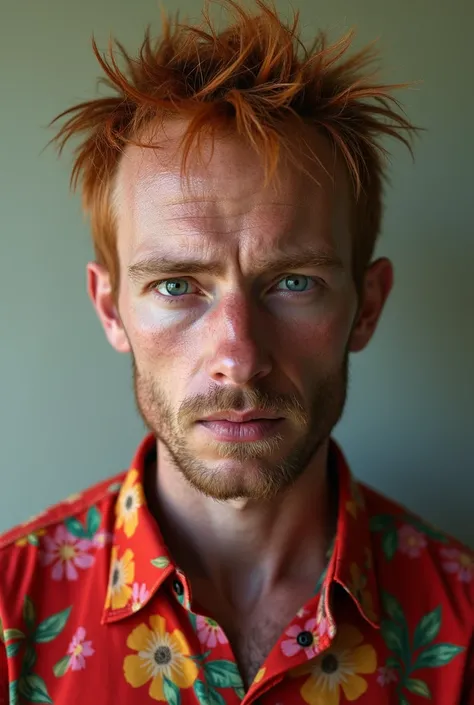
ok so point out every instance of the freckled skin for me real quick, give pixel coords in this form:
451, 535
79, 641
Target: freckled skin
269, 325
238, 327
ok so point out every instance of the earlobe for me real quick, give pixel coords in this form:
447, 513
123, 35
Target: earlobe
378, 282
101, 295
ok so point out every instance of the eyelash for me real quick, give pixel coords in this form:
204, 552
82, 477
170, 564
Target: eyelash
153, 287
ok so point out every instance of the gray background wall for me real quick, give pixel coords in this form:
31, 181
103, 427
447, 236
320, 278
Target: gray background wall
67, 416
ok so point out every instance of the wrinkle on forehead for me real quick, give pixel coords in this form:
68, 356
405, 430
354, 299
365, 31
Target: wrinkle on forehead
227, 195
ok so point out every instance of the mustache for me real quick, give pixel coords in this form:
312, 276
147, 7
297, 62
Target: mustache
229, 399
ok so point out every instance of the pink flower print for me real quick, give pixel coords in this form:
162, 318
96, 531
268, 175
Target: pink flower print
67, 553
458, 562
306, 639
302, 613
410, 541
139, 595
79, 650
323, 627
209, 632
386, 675
101, 538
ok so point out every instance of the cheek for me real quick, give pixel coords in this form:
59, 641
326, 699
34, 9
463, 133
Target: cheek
316, 341
157, 337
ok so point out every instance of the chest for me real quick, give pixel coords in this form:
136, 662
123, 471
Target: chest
253, 633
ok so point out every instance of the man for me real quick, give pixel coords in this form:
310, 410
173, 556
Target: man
234, 186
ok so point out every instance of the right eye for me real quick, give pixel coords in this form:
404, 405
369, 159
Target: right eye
174, 287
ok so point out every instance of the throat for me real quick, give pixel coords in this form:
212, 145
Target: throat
252, 634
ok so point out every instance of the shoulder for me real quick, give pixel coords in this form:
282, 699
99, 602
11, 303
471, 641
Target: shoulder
409, 549
81, 512
386, 515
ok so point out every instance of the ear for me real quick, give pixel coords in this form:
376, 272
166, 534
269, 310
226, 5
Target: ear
100, 292
378, 282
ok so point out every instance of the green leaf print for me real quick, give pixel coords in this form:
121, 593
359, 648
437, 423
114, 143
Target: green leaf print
437, 655
392, 608
199, 657
33, 688
393, 636
52, 626
397, 638
381, 522
11, 634
29, 614
192, 619
223, 674
75, 528
202, 692
414, 685
13, 649
29, 659
93, 522
215, 698
171, 692
393, 662
390, 543
13, 694
427, 629
60, 668
240, 692
160, 562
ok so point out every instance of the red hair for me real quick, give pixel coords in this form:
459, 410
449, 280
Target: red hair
259, 77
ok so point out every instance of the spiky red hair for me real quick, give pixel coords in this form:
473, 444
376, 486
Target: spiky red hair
256, 75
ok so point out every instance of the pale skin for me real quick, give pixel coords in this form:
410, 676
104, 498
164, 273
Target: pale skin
252, 562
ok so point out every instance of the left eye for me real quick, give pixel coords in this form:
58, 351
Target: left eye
296, 282
174, 287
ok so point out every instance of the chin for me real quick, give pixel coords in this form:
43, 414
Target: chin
233, 479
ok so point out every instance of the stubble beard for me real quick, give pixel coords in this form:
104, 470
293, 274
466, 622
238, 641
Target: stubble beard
261, 474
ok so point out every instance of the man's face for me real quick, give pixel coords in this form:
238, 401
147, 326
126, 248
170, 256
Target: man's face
237, 301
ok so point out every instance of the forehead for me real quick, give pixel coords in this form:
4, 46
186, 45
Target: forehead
222, 198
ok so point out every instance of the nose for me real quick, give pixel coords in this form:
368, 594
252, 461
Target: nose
237, 352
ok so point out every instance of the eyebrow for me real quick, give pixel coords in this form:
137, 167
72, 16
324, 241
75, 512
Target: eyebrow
157, 265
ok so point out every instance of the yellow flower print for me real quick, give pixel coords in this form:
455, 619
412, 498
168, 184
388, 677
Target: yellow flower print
122, 575
73, 497
31, 538
357, 587
259, 675
356, 501
160, 655
337, 669
129, 501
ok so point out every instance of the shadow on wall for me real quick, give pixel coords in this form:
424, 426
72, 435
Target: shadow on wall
425, 418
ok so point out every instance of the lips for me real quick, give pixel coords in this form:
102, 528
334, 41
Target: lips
233, 426
242, 416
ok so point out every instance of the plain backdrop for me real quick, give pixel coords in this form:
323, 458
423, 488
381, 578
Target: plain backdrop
67, 412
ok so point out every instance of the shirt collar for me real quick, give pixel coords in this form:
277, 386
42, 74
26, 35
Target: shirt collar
352, 564
140, 560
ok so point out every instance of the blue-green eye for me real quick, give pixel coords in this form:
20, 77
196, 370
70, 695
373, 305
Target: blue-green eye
296, 282
173, 287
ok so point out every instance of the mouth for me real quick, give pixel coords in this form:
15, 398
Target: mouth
233, 426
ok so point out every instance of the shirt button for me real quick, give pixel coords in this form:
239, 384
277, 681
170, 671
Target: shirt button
305, 639
178, 588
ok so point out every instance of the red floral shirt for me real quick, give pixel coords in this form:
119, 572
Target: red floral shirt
94, 611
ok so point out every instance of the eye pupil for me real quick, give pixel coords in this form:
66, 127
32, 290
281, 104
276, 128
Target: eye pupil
297, 283
176, 286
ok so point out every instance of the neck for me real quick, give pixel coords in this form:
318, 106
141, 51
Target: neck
246, 548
